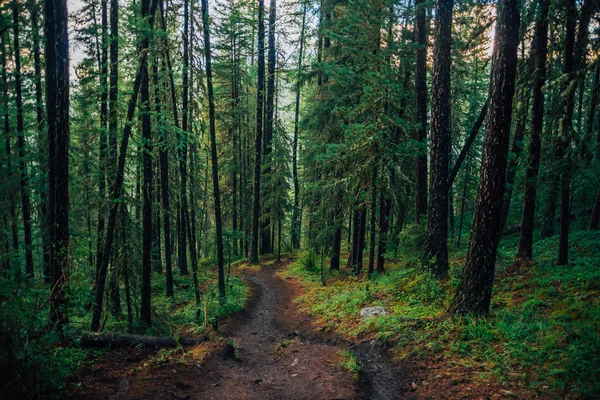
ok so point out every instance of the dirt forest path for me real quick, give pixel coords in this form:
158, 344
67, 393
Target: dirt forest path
278, 355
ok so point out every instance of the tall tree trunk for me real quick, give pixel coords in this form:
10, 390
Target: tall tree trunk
7, 142
169, 68
235, 139
42, 143
451, 224
117, 186
436, 247
296, 228
24, 178
463, 201
145, 304
334, 263
595, 218
57, 103
515, 151
521, 114
360, 243
113, 91
372, 223
421, 102
156, 236
539, 52
266, 243
574, 65
468, 143
475, 288
565, 133
163, 158
213, 149
183, 198
191, 226
102, 153
260, 85
384, 215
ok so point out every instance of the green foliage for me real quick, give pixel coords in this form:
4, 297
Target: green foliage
37, 360
411, 242
308, 260
34, 357
542, 334
350, 363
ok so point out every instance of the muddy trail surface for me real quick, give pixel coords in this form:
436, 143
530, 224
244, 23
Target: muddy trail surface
271, 351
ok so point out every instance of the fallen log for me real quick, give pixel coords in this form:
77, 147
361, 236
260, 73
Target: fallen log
106, 339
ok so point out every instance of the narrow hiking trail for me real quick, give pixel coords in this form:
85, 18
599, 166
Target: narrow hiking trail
278, 355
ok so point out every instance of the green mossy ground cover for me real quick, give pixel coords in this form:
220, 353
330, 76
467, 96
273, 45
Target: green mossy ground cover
36, 359
542, 336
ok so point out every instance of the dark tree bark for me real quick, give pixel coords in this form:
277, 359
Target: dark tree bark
421, 103
565, 130
463, 201
296, 228
539, 52
6, 162
574, 61
360, 246
589, 126
42, 143
156, 235
372, 224
451, 224
384, 215
23, 175
334, 263
515, 151
190, 226
258, 136
234, 133
595, 220
574, 65
113, 91
213, 149
464, 152
266, 243
436, 247
117, 186
7, 142
169, 68
145, 304
57, 103
358, 236
102, 153
475, 288
183, 198
163, 158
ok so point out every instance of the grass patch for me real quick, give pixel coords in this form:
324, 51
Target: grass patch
543, 334
350, 363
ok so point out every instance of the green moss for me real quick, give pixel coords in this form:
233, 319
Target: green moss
350, 363
543, 332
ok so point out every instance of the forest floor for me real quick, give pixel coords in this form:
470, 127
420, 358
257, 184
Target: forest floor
270, 351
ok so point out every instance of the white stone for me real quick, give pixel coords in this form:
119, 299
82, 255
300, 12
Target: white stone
369, 312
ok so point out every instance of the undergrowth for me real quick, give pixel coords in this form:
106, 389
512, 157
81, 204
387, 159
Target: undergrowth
36, 360
350, 363
542, 336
